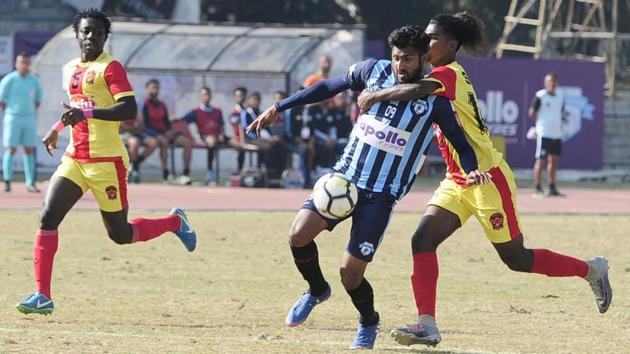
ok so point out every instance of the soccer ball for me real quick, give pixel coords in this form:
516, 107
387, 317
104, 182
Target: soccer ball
334, 196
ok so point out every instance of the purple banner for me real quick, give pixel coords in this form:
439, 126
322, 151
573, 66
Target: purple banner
505, 89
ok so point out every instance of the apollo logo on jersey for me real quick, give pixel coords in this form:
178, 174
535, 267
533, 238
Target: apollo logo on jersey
81, 101
382, 136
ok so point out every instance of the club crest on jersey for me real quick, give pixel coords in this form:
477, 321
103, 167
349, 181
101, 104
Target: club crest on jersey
112, 192
89, 77
420, 107
81, 101
496, 220
366, 248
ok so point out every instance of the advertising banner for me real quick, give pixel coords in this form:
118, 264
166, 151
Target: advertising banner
506, 88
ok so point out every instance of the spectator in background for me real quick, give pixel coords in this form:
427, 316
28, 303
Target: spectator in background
325, 63
133, 137
239, 95
326, 120
271, 148
157, 125
299, 140
20, 96
547, 111
209, 121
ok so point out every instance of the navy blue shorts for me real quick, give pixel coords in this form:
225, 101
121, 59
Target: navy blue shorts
370, 218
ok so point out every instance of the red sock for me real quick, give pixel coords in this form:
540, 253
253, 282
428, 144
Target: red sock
554, 264
424, 282
43, 256
147, 229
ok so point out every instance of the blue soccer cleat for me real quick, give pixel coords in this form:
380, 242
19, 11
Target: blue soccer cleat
185, 233
302, 308
36, 303
366, 336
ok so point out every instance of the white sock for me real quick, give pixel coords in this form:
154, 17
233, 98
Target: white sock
427, 320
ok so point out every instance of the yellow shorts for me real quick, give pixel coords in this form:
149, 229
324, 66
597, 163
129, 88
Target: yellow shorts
493, 204
107, 180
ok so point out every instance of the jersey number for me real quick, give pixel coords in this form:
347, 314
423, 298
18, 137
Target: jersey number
473, 102
390, 111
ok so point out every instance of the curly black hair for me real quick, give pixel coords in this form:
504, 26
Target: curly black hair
465, 28
92, 13
409, 36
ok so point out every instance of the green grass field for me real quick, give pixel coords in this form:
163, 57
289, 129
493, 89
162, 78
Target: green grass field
232, 294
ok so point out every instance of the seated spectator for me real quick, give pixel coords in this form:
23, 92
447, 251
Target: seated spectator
134, 138
239, 95
271, 148
209, 121
157, 125
342, 103
325, 120
299, 140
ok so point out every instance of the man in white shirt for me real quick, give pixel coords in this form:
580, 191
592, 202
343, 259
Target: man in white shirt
547, 111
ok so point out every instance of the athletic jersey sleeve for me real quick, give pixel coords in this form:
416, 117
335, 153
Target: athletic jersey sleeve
5, 84
117, 81
446, 77
38, 92
536, 104
444, 115
353, 79
191, 116
166, 119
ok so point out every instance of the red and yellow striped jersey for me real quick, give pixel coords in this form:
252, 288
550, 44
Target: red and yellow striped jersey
457, 87
96, 84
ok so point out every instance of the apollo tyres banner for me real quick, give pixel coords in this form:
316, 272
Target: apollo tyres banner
505, 90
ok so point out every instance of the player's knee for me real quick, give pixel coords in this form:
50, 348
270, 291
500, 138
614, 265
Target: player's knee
299, 236
119, 237
350, 278
48, 219
422, 241
521, 261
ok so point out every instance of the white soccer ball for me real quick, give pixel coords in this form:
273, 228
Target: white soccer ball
334, 196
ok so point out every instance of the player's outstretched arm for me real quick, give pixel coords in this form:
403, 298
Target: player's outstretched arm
402, 92
318, 92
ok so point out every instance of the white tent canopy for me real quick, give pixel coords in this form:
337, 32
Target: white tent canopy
185, 57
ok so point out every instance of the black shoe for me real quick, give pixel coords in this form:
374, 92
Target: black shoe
554, 193
7, 186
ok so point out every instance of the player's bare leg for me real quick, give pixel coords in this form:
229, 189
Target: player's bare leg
542, 261
305, 227
436, 225
538, 166
29, 162
351, 271
552, 168
141, 229
186, 145
60, 197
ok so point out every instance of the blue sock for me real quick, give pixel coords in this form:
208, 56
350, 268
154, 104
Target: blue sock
210, 175
7, 165
29, 168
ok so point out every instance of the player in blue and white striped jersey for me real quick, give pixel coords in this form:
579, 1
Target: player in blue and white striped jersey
385, 151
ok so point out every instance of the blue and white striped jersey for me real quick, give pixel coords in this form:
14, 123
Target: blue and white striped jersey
388, 143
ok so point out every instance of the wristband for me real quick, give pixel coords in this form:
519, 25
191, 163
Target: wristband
88, 113
58, 126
